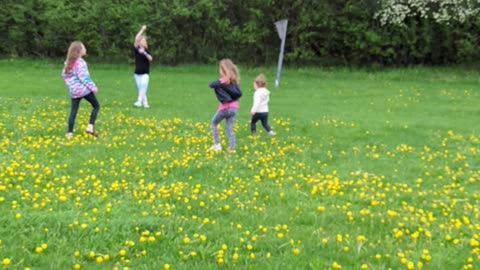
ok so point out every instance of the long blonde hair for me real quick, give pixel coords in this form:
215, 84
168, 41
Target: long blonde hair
74, 52
230, 70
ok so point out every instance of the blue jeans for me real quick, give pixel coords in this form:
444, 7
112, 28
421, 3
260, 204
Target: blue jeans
229, 115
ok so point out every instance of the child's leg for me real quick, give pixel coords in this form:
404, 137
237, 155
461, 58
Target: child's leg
217, 118
253, 123
95, 107
264, 119
142, 86
145, 81
138, 83
73, 113
231, 116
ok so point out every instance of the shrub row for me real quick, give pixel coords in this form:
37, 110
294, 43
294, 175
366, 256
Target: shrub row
320, 32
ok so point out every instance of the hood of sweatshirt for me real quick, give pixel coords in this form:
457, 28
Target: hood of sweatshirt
263, 92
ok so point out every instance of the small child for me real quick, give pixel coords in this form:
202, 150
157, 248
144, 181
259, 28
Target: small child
260, 105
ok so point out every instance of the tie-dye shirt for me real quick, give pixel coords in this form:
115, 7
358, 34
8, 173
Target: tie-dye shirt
78, 80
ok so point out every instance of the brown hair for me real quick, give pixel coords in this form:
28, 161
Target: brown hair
261, 81
230, 70
74, 52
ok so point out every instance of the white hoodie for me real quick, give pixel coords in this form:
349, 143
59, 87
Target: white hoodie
260, 100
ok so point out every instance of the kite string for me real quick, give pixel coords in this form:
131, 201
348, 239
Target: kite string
169, 16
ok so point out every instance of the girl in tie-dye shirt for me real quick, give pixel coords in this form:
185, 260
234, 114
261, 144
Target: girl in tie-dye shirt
78, 81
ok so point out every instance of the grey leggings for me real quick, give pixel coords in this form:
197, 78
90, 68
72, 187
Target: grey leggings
229, 115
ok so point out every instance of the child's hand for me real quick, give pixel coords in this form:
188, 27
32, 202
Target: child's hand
223, 79
252, 113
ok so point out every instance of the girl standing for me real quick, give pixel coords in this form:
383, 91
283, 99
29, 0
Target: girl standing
78, 81
142, 67
228, 92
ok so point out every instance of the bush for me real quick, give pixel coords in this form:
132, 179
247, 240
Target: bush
320, 32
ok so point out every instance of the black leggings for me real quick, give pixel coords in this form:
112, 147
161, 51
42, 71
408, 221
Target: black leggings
76, 104
262, 117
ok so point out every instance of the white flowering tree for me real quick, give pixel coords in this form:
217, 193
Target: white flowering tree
441, 11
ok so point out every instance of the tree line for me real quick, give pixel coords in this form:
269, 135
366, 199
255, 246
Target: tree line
320, 32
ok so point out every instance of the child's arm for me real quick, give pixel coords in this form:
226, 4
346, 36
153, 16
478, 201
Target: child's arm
256, 103
149, 57
215, 84
84, 76
144, 52
138, 37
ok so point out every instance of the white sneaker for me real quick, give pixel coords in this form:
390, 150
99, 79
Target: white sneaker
216, 147
145, 105
271, 133
69, 135
138, 104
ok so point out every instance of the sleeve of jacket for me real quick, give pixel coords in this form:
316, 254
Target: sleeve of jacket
256, 101
84, 77
222, 95
215, 84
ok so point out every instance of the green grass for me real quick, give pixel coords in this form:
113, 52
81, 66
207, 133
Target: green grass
369, 170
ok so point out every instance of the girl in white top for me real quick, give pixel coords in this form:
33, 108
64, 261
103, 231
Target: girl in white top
259, 109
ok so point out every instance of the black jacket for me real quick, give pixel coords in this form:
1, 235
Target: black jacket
226, 92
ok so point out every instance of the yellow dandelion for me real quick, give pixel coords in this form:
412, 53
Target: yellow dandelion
474, 242
339, 238
361, 238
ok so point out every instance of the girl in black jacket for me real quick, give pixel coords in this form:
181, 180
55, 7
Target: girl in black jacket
228, 92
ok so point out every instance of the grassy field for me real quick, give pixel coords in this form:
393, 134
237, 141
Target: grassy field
369, 170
